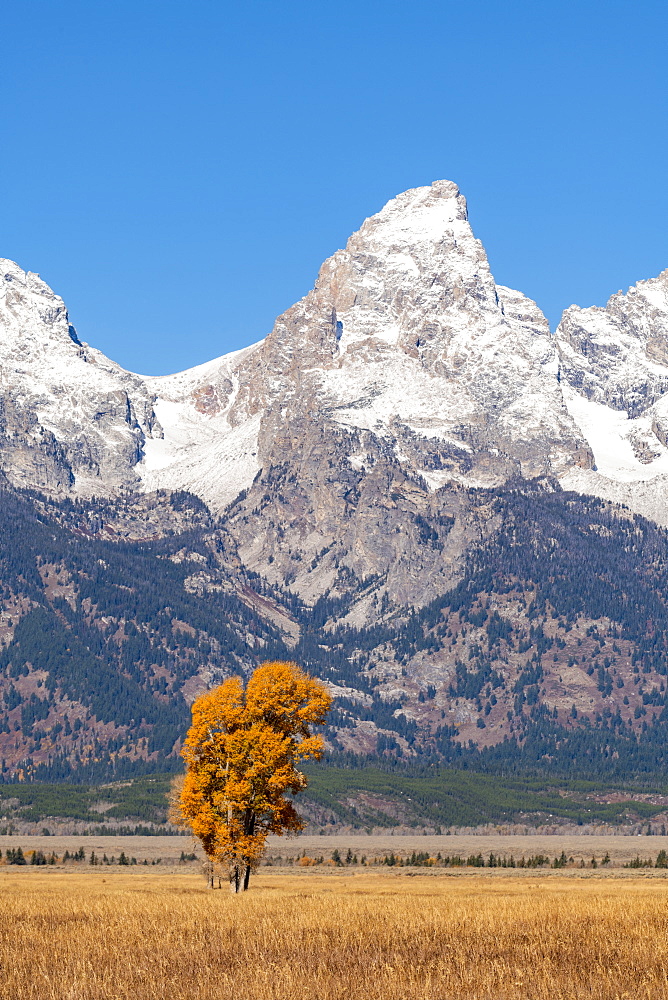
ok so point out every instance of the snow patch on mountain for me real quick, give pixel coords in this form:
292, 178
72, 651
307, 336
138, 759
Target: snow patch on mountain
202, 450
648, 498
213, 461
613, 364
624, 449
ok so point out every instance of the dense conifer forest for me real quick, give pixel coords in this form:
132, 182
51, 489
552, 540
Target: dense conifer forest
98, 640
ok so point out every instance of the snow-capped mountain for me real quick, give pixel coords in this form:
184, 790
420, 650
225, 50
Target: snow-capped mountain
388, 461
407, 338
406, 348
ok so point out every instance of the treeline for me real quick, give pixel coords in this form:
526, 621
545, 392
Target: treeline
426, 859
142, 801
443, 798
17, 856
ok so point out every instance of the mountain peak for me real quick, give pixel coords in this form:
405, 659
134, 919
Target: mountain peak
69, 417
423, 214
440, 197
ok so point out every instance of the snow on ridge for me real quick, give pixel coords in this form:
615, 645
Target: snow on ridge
618, 354
109, 421
170, 386
649, 498
212, 460
204, 448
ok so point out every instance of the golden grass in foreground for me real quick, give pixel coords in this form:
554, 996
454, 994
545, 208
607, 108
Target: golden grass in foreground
108, 936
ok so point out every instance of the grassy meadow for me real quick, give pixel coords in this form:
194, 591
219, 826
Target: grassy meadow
138, 935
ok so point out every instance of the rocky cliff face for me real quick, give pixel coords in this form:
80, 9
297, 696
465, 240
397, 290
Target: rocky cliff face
70, 419
406, 337
405, 370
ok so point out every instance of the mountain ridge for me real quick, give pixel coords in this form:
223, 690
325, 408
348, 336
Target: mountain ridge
410, 485
410, 302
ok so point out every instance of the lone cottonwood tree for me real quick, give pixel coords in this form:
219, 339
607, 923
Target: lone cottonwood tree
241, 753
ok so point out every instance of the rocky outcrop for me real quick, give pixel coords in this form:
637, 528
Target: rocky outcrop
322, 524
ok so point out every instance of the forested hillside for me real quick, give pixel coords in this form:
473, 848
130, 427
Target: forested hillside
101, 644
551, 652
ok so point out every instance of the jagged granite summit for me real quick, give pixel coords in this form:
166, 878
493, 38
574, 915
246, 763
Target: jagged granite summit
405, 338
406, 351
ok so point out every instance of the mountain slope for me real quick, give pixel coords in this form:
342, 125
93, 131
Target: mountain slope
104, 643
551, 651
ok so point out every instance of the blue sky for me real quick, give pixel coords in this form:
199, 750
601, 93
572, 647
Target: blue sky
178, 172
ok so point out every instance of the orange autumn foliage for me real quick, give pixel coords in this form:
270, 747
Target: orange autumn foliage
242, 751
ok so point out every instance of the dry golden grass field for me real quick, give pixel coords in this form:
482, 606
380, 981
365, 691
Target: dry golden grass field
138, 934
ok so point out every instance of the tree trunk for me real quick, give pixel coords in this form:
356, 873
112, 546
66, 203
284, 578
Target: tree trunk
235, 881
249, 830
